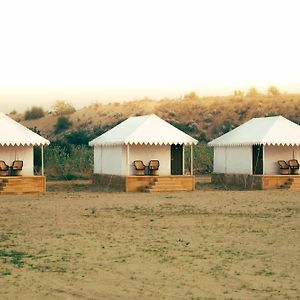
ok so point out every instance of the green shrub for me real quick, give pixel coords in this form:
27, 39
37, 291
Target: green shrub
62, 124
252, 92
187, 128
273, 91
63, 108
203, 158
60, 164
34, 113
227, 126
79, 137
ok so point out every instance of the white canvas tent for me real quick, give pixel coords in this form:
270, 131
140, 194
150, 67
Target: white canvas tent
139, 138
256, 146
16, 143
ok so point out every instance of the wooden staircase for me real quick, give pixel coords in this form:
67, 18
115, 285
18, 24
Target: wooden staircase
22, 185
292, 183
164, 184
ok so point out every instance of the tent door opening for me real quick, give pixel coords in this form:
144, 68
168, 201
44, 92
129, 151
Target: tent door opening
257, 160
176, 159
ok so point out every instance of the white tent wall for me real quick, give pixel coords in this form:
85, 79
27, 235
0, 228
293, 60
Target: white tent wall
25, 153
274, 153
98, 160
233, 160
112, 160
219, 160
149, 152
108, 160
239, 160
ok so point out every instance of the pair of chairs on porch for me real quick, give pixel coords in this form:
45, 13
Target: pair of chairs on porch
140, 167
290, 167
12, 170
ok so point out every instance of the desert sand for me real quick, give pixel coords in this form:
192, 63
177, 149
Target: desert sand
200, 245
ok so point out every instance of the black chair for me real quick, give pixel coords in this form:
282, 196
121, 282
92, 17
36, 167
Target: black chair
284, 167
294, 166
153, 166
139, 167
17, 167
3, 168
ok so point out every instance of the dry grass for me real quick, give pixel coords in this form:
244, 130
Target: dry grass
200, 245
209, 116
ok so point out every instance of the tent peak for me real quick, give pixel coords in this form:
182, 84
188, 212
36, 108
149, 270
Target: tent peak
15, 134
147, 129
275, 130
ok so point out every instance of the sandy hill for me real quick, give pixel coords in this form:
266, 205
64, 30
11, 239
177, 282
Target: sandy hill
203, 117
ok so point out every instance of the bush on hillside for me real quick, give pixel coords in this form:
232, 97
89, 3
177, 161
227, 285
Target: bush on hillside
227, 126
63, 108
238, 93
34, 113
252, 92
273, 91
79, 137
62, 124
185, 127
201, 137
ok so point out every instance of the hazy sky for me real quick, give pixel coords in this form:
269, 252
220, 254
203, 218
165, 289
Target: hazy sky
85, 51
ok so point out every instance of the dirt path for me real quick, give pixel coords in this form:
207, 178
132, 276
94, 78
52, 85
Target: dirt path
199, 245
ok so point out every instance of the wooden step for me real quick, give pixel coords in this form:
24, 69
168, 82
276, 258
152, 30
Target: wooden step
164, 185
164, 189
291, 183
294, 186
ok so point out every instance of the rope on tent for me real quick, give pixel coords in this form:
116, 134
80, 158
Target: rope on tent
245, 178
109, 183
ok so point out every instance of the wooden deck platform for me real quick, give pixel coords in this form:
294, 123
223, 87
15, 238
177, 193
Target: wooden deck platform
160, 183
290, 182
19, 185
258, 182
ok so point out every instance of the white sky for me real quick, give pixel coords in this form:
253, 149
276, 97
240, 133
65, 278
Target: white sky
85, 51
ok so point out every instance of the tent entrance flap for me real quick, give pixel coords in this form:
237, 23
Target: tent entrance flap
176, 159
257, 160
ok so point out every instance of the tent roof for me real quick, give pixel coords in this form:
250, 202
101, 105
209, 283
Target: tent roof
14, 134
266, 131
148, 129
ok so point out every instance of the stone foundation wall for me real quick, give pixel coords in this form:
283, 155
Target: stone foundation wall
110, 182
137, 183
247, 182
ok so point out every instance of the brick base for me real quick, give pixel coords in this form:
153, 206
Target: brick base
110, 182
248, 182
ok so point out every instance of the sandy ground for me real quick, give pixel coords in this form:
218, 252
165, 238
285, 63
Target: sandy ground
198, 245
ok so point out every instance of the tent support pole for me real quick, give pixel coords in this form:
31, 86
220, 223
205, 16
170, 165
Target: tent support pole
42, 154
263, 148
101, 149
127, 152
183, 159
192, 159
